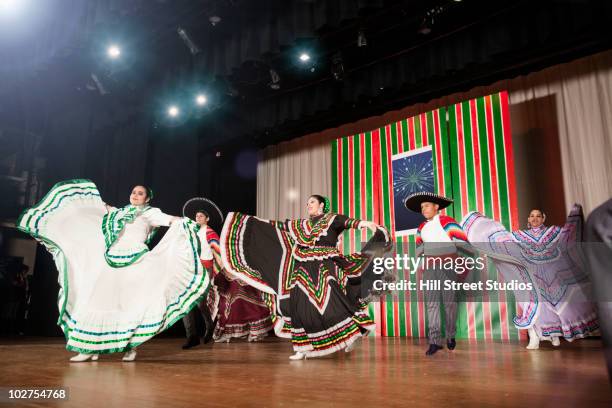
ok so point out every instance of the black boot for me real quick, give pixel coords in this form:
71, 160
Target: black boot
191, 342
451, 343
209, 326
433, 349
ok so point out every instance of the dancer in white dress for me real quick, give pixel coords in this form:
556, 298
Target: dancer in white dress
115, 294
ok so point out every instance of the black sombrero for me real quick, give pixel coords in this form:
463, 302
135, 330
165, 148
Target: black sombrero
413, 201
215, 216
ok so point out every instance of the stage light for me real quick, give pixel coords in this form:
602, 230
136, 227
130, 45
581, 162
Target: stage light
113, 51
337, 66
214, 20
173, 111
9, 5
201, 99
362, 41
274, 80
11, 8
304, 57
424, 28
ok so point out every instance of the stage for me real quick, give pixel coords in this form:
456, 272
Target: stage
380, 372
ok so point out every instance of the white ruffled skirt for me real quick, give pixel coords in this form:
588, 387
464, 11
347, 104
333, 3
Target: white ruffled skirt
105, 309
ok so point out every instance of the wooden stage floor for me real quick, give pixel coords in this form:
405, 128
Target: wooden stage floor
380, 372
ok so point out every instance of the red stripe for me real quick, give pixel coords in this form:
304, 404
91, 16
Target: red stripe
351, 181
377, 318
471, 320
424, 132
492, 159
461, 147
509, 160
439, 159
383, 315
396, 330
411, 137
421, 304
376, 175
400, 139
389, 181
363, 215
477, 165
407, 294
340, 173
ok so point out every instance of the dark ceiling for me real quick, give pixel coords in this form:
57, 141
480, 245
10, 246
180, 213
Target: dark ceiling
59, 57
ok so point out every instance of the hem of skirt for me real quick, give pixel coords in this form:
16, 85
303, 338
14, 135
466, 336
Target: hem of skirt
331, 350
309, 350
244, 330
66, 329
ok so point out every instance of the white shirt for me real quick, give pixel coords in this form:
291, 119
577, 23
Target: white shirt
205, 250
135, 233
433, 233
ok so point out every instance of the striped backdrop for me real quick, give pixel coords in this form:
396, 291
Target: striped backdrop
471, 142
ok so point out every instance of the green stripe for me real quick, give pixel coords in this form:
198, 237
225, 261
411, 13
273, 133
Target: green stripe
394, 141
502, 178
386, 195
334, 176
414, 301
487, 197
369, 177
470, 171
357, 178
405, 138
418, 135
401, 295
431, 139
445, 153
345, 176
455, 210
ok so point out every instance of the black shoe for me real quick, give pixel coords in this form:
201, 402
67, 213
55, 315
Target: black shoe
451, 344
433, 349
191, 342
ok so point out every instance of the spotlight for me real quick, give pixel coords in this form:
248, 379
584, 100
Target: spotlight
429, 20
424, 28
173, 111
214, 20
274, 80
10, 6
337, 67
193, 48
304, 57
201, 99
113, 51
362, 41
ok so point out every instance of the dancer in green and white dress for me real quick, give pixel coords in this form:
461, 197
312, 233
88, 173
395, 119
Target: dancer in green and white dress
115, 294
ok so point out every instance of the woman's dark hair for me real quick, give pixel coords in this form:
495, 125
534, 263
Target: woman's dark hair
324, 200
147, 190
537, 209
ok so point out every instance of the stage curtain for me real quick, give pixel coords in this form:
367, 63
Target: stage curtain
288, 173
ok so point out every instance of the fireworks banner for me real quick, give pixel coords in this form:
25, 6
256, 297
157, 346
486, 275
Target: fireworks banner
463, 152
412, 172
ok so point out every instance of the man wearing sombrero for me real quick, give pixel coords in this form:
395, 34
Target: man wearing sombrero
439, 229
208, 216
